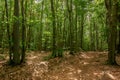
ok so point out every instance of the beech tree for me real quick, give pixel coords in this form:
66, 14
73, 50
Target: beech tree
23, 11
54, 28
112, 24
16, 34
8, 31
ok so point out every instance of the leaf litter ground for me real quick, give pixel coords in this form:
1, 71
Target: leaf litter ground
82, 66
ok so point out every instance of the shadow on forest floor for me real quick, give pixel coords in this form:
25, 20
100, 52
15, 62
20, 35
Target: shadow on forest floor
82, 66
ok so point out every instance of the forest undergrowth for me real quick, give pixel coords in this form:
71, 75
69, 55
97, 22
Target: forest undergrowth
82, 66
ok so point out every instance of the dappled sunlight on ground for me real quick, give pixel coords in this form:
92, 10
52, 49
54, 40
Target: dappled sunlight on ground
82, 66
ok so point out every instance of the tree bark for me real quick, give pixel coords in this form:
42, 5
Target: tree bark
54, 29
69, 8
16, 35
41, 27
82, 29
8, 32
23, 31
118, 15
111, 21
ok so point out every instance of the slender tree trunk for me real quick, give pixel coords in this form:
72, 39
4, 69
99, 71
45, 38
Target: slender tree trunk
94, 37
16, 35
69, 8
41, 28
29, 28
118, 10
23, 31
97, 37
91, 37
76, 25
82, 29
8, 32
2, 33
108, 14
54, 29
79, 36
64, 30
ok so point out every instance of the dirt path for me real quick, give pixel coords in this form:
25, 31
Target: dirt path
85, 66
82, 66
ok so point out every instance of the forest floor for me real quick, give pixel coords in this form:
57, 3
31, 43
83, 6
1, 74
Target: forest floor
82, 66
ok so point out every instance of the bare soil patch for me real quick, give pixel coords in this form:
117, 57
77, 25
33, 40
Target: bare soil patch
82, 66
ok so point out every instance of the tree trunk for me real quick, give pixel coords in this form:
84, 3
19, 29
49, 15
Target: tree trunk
112, 15
118, 46
76, 30
16, 39
54, 29
91, 37
69, 8
8, 33
23, 31
82, 29
97, 37
41, 27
